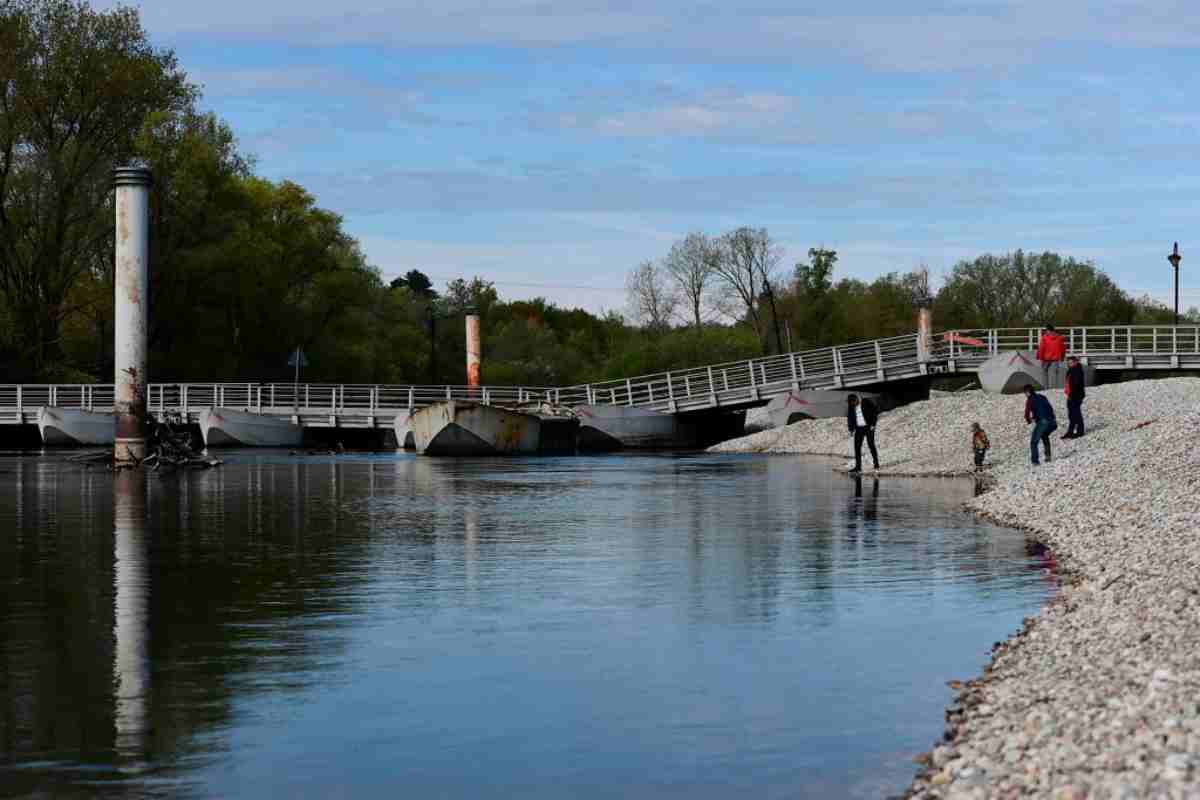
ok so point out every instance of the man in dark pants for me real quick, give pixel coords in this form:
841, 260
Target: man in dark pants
1040, 414
861, 418
1075, 395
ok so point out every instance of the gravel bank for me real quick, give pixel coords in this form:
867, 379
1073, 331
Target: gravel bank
1097, 696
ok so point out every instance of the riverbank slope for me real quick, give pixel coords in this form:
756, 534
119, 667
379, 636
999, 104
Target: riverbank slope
1098, 695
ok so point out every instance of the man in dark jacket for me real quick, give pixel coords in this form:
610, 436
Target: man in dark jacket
861, 418
1075, 394
1040, 414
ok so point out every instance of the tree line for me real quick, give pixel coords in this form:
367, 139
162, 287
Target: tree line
244, 269
737, 278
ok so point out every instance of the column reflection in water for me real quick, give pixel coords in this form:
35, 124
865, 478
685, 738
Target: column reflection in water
132, 628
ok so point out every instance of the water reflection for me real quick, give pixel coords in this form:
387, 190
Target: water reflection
131, 666
549, 627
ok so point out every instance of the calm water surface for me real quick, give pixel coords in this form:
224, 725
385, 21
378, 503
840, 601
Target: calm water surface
384, 626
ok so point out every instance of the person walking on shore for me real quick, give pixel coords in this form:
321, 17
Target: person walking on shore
1051, 349
861, 418
979, 444
1040, 414
1075, 394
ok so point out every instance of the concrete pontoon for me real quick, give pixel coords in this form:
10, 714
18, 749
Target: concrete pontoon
814, 404
402, 425
612, 427
1009, 372
607, 427
457, 428
228, 427
73, 426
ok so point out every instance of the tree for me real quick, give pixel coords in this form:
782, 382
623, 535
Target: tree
652, 300
463, 296
416, 282
1018, 289
76, 89
747, 264
691, 264
812, 286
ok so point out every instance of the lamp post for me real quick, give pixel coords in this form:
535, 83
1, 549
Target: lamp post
1175, 258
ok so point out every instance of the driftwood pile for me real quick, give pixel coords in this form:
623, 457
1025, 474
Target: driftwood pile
169, 446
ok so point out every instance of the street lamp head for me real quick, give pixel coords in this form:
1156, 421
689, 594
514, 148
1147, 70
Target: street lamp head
1175, 258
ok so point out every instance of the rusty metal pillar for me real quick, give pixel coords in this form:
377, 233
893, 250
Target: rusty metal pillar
924, 333
131, 277
473, 350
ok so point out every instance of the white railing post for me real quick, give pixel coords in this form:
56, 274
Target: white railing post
800, 366
628, 392
750, 367
711, 388
54, 395
792, 365
1154, 340
1175, 339
878, 358
20, 399
687, 386
670, 388
1113, 345
1085, 340
410, 399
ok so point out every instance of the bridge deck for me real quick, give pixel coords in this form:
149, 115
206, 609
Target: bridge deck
732, 385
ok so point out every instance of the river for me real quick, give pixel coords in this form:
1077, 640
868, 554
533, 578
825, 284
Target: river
388, 625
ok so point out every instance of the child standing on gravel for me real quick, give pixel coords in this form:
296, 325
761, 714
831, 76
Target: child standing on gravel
979, 443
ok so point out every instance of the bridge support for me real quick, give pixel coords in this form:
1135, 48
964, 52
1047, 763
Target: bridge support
131, 277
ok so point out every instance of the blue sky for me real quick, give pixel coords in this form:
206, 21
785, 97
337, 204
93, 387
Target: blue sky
558, 144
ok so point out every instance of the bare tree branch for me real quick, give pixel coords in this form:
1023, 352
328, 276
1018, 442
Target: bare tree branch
652, 300
692, 264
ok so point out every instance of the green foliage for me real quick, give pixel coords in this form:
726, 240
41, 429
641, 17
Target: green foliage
416, 282
1019, 289
78, 86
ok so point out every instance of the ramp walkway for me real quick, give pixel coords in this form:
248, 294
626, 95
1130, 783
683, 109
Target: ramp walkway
733, 385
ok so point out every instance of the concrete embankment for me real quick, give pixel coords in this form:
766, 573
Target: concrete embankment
1097, 696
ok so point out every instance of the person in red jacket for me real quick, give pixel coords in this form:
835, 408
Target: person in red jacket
1051, 349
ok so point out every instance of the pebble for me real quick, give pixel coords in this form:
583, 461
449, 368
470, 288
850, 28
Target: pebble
1103, 684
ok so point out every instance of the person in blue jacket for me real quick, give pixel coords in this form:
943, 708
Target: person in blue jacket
1040, 414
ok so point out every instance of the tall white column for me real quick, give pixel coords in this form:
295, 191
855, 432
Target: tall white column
132, 279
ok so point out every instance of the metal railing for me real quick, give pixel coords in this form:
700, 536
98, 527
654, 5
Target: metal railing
736, 382
275, 398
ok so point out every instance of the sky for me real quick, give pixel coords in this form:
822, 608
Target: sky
550, 147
